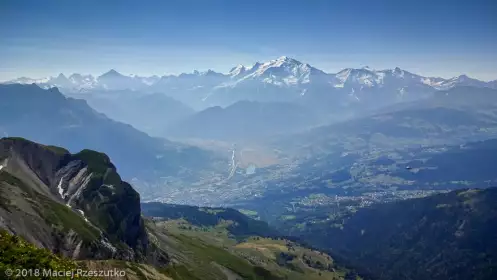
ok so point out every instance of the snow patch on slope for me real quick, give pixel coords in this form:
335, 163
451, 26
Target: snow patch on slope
60, 189
107, 244
83, 215
78, 192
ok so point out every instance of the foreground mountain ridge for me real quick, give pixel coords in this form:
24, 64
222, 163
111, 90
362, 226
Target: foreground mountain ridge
77, 206
77, 203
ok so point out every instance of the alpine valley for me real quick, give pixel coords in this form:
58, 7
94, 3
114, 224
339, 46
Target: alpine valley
276, 170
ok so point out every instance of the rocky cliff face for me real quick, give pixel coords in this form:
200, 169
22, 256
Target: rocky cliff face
75, 204
78, 206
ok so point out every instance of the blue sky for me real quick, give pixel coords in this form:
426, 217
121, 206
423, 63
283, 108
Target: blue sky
436, 38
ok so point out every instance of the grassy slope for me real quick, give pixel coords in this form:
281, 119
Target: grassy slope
243, 226
201, 252
17, 254
214, 252
209, 252
134, 271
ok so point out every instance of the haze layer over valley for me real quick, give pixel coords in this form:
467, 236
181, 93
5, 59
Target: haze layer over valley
242, 134
285, 162
249, 140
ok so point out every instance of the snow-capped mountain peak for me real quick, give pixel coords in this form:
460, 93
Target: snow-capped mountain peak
343, 75
358, 77
283, 72
79, 81
237, 70
282, 61
463, 80
398, 72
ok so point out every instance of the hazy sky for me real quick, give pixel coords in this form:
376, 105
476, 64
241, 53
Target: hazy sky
434, 38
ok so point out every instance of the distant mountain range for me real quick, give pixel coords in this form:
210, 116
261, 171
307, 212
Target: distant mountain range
451, 116
111, 80
149, 112
47, 116
410, 135
282, 79
244, 120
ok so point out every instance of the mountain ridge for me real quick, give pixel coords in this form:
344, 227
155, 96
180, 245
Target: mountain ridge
243, 72
76, 211
244, 120
74, 204
284, 79
444, 236
49, 117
